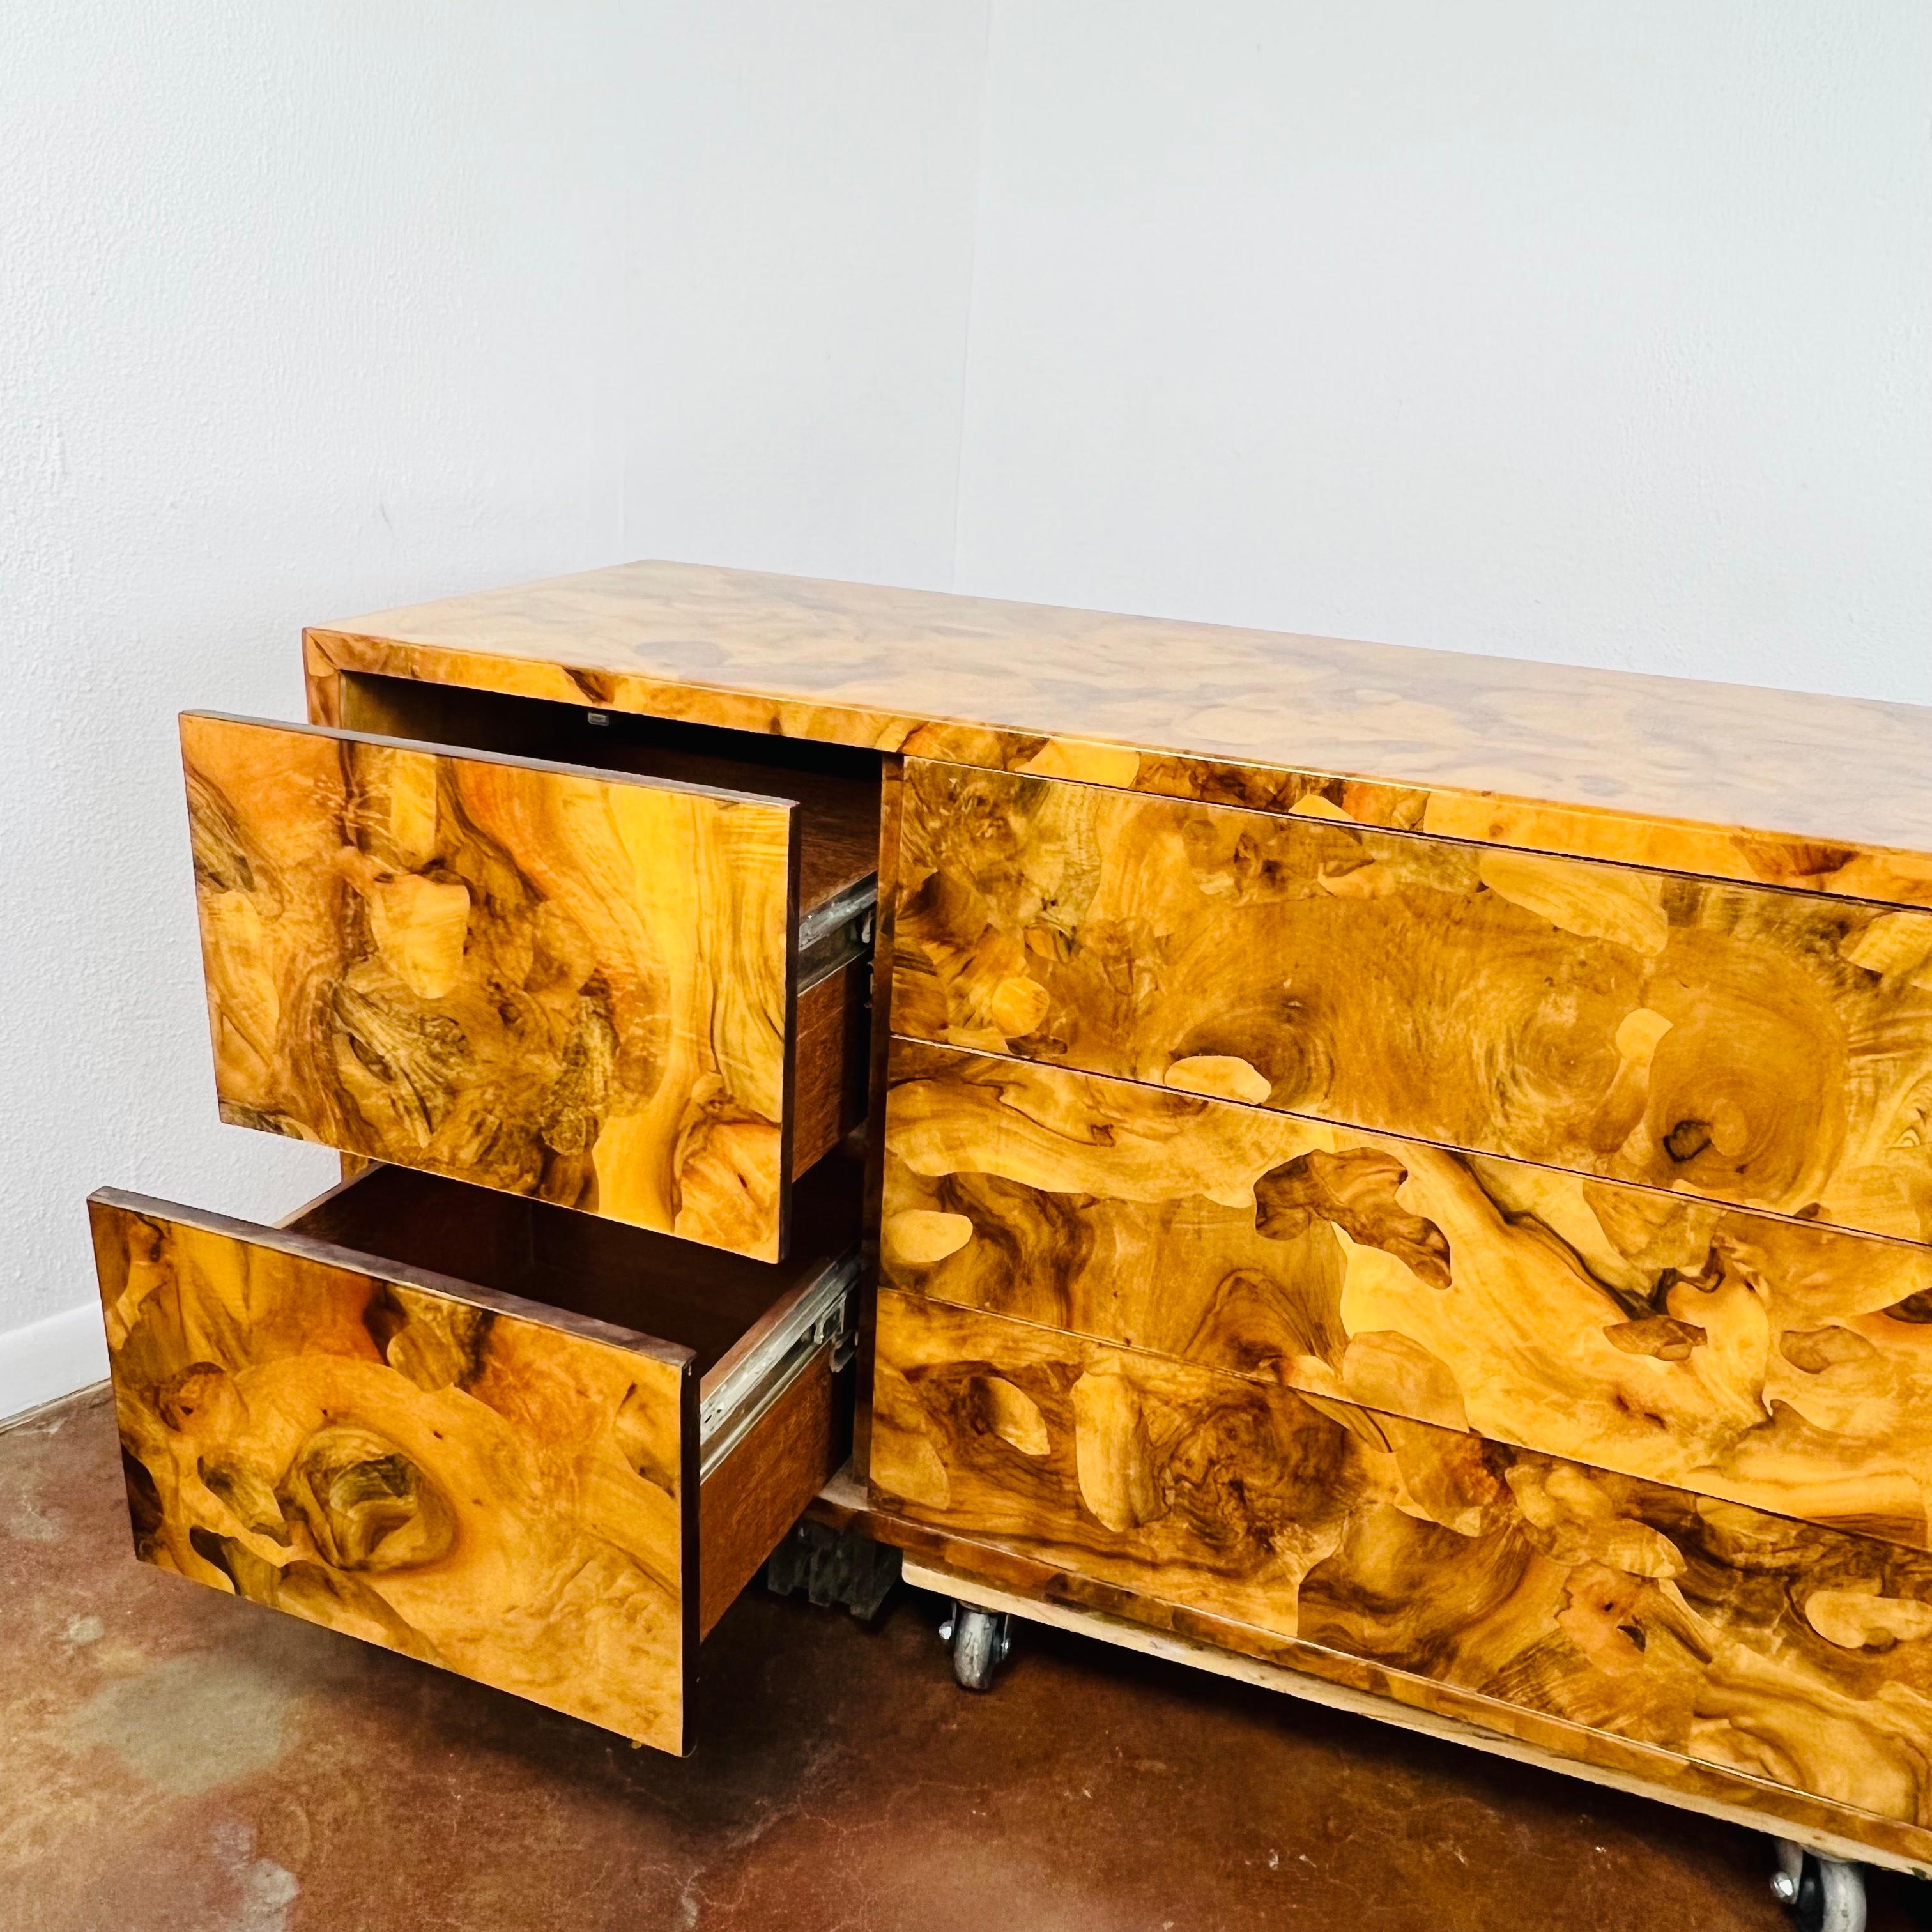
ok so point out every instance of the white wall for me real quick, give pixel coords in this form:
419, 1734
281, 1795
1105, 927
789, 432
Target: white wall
1570, 330
1558, 328
306, 311
799, 287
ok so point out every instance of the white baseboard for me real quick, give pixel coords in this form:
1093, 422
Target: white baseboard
50, 1358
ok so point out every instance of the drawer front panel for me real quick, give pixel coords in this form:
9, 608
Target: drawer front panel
508, 1497
1769, 1647
551, 981
1768, 1361
1769, 1048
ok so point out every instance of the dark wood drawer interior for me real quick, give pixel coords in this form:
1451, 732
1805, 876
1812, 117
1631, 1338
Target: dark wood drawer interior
699, 1299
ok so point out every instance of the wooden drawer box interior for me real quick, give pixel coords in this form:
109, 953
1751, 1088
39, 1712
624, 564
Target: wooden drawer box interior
623, 964
537, 1448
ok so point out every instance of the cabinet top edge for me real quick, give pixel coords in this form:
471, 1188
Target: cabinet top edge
1548, 757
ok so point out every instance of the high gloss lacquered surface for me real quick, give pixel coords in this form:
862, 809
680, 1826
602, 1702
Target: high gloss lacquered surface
173, 1760
1723, 1635
503, 1493
1766, 1361
1769, 1048
550, 980
1716, 778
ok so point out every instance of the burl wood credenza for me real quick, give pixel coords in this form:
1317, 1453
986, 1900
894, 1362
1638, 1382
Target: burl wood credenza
1410, 1170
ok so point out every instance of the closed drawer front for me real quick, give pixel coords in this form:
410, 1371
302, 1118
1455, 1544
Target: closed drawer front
520, 1491
1739, 1043
580, 984
1736, 1355
1779, 1649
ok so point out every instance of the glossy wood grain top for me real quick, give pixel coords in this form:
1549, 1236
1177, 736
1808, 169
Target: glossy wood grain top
1784, 787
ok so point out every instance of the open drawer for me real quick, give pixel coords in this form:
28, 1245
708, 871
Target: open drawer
618, 986
549, 1461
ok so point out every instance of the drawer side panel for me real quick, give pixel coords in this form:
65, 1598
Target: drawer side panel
748, 1503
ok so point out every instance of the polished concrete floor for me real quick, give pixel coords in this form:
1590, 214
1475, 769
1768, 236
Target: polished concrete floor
175, 1761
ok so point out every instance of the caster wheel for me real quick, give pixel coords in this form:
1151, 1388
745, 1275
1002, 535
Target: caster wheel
980, 1640
1822, 1894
